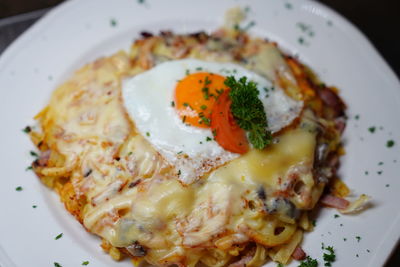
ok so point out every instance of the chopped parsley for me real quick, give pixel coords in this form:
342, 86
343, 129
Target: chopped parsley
344, 239
309, 262
27, 129
85, 263
279, 265
379, 172
288, 5
314, 223
34, 206
219, 91
387, 185
199, 68
329, 257
58, 236
366, 172
208, 139
390, 143
336, 216
204, 119
206, 93
28, 168
179, 172
172, 104
56, 264
34, 154
203, 107
180, 152
113, 22
19, 188
380, 163
187, 105
372, 129
147, 134
358, 238
357, 117
248, 111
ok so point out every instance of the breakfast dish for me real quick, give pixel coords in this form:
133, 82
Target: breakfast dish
195, 148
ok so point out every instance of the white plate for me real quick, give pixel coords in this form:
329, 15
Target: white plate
77, 32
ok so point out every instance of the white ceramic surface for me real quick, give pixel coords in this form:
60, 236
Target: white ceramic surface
77, 32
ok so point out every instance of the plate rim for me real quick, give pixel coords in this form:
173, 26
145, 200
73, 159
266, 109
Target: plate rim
392, 236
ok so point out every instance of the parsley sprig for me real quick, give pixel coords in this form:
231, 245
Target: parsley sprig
329, 258
248, 111
309, 262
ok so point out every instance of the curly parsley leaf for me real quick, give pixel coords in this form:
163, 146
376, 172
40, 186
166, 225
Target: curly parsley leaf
309, 262
248, 111
329, 257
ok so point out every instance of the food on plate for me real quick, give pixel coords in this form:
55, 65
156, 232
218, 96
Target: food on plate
195, 148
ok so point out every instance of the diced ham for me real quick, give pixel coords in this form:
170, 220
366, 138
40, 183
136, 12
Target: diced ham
299, 254
334, 202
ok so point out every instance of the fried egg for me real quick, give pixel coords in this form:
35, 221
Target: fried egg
171, 104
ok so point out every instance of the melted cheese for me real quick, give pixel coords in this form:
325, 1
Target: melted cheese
161, 213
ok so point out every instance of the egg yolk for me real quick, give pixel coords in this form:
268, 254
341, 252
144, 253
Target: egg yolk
195, 96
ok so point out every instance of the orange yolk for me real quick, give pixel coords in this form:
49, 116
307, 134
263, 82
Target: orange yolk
195, 96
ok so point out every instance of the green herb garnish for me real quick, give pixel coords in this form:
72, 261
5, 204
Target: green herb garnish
19, 188
27, 129
390, 143
85, 263
58, 236
288, 5
113, 22
309, 262
34, 154
329, 258
56, 264
204, 119
372, 129
248, 111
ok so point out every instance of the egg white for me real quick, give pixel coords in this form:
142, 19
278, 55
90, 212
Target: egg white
148, 97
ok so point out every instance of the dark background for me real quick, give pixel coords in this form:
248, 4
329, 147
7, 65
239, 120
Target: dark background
378, 19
